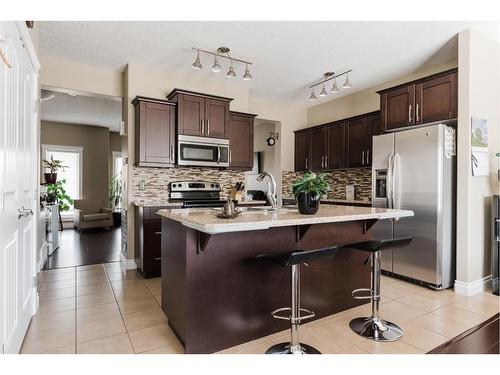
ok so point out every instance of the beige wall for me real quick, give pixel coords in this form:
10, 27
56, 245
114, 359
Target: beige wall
363, 101
479, 96
95, 143
72, 75
261, 133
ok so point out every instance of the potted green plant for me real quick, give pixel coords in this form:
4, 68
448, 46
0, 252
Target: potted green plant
308, 191
53, 165
56, 194
115, 190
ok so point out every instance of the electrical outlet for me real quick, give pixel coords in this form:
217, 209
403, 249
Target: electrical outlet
142, 185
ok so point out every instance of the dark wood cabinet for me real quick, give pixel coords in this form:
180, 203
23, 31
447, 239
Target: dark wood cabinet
427, 100
241, 140
302, 150
336, 148
155, 132
436, 99
341, 144
200, 114
358, 137
148, 240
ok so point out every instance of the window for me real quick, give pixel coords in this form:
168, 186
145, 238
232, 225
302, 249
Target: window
117, 164
72, 158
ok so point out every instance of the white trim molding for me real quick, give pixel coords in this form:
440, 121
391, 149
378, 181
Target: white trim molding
472, 288
129, 264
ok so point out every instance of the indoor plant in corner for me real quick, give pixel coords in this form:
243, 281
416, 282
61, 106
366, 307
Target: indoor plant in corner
308, 191
115, 198
53, 165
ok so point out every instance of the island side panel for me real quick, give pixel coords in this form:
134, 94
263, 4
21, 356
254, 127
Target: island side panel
173, 275
230, 294
326, 286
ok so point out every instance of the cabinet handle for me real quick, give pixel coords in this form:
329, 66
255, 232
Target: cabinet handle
322, 162
201, 127
158, 233
157, 258
306, 164
171, 153
229, 156
409, 113
326, 161
208, 127
416, 112
363, 158
367, 157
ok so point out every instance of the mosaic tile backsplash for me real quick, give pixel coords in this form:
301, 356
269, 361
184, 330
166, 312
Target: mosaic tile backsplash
157, 180
361, 178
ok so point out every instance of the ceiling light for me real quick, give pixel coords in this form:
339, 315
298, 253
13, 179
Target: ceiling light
323, 91
230, 72
313, 96
247, 76
197, 63
216, 68
347, 84
222, 52
335, 89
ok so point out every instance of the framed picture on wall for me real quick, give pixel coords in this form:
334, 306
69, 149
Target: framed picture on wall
479, 147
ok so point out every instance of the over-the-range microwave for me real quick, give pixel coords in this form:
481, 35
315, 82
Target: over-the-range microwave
202, 151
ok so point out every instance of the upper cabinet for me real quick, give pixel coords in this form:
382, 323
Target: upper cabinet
341, 144
201, 114
426, 100
241, 140
155, 132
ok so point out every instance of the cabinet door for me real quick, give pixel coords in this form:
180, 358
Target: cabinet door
241, 142
436, 99
156, 134
216, 118
336, 151
302, 149
190, 115
356, 142
397, 107
373, 129
318, 149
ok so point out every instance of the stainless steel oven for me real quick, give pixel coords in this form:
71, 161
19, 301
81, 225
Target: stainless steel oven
202, 151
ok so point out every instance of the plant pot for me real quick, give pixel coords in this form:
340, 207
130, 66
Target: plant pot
308, 203
50, 178
117, 219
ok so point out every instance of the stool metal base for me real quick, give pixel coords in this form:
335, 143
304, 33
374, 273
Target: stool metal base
377, 330
286, 348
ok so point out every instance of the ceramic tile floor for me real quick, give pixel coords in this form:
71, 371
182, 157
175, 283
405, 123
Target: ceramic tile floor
104, 309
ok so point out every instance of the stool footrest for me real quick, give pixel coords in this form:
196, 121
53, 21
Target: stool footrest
355, 293
277, 315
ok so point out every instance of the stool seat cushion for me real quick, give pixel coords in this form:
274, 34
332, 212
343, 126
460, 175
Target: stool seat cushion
290, 258
374, 245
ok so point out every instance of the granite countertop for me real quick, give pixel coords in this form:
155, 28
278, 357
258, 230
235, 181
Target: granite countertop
205, 220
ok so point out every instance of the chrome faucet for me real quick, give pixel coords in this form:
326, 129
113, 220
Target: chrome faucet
271, 189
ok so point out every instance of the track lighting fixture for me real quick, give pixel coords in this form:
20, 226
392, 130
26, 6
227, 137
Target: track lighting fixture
328, 76
222, 52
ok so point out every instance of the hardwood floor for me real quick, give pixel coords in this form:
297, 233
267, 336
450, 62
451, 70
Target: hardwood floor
92, 246
482, 339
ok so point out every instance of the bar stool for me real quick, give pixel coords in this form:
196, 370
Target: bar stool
373, 327
293, 259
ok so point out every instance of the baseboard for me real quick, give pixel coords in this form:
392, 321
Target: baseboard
474, 287
129, 264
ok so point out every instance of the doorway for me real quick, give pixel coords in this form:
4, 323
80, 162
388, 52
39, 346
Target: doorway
81, 181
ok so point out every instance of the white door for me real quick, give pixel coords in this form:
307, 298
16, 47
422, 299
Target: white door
18, 175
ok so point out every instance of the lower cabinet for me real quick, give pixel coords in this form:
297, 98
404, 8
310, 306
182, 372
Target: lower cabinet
148, 241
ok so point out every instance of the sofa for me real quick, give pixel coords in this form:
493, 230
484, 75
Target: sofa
90, 213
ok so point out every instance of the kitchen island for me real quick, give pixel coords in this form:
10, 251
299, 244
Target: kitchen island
216, 295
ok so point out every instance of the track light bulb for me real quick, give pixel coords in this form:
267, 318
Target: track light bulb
197, 63
216, 68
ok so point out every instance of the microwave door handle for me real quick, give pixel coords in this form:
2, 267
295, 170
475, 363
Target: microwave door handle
218, 154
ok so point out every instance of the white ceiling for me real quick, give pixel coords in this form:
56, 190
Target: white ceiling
82, 109
287, 55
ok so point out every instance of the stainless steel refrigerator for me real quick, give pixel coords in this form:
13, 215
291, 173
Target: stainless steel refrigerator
415, 170
495, 245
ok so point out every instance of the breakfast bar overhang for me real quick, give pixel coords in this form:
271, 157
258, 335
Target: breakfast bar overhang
216, 295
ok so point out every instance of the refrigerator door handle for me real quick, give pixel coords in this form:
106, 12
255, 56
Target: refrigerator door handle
389, 183
395, 160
